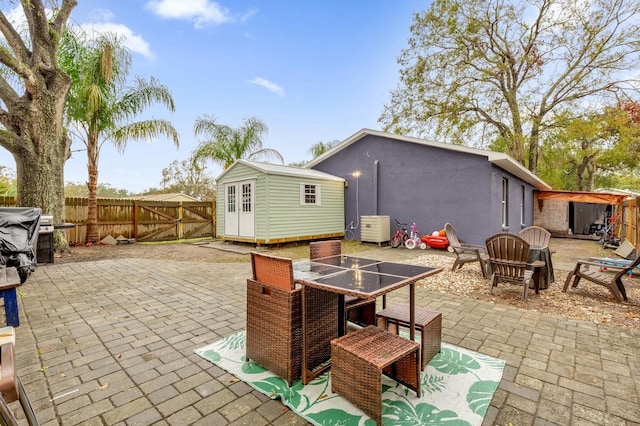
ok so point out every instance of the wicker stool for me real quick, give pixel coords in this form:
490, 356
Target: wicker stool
358, 360
428, 323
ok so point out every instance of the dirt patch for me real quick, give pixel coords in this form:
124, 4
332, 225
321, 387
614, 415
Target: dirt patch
186, 252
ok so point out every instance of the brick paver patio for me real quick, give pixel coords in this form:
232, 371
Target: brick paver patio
111, 343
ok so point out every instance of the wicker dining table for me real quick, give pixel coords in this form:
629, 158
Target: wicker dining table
325, 283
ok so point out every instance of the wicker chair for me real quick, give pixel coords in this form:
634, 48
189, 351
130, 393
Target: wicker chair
274, 317
508, 254
466, 253
612, 282
356, 310
536, 236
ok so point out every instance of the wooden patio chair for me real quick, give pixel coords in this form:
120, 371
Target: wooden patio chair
508, 254
466, 253
274, 317
590, 272
536, 236
356, 310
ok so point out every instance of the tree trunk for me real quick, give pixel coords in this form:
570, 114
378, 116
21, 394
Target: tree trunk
534, 144
92, 186
41, 155
32, 123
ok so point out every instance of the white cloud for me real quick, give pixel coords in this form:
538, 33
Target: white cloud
268, 85
201, 12
133, 42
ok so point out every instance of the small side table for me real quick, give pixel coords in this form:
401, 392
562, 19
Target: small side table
9, 281
358, 360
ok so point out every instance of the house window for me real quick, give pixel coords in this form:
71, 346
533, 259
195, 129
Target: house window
522, 205
309, 194
246, 198
505, 202
231, 199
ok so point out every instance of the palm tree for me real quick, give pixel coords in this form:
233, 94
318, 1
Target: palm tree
226, 145
320, 148
100, 107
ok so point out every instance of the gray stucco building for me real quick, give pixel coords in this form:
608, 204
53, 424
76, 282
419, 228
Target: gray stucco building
415, 180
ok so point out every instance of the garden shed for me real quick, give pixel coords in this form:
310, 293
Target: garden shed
479, 192
267, 204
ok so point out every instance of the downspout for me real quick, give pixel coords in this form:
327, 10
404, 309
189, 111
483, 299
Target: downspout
375, 187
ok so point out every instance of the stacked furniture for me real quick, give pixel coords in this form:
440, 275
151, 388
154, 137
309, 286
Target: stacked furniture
358, 360
427, 322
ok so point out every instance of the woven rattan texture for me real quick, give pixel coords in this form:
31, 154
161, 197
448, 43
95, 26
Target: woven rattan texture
272, 270
427, 322
359, 359
274, 329
320, 312
357, 310
319, 249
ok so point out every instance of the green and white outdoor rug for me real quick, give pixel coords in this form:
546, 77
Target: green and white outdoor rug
457, 388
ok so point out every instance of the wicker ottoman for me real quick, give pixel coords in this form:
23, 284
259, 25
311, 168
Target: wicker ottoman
358, 360
428, 323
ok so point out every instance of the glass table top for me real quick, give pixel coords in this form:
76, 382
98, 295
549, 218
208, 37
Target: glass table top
359, 280
399, 269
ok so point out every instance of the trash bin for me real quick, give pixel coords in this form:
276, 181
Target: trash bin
19, 228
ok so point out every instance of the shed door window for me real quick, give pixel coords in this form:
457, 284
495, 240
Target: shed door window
231, 199
246, 198
309, 194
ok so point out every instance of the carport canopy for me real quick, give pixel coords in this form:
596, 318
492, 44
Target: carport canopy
582, 196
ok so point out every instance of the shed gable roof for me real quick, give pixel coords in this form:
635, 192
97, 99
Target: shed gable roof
277, 169
501, 160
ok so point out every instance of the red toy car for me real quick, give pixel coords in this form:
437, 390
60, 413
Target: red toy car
433, 241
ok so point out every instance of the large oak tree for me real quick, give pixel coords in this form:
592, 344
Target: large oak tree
33, 91
501, 71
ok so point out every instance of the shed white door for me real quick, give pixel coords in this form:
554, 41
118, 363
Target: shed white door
239, 216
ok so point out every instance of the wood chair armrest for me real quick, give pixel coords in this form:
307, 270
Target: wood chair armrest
473, 247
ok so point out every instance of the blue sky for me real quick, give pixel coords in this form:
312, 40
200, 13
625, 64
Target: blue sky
311, 70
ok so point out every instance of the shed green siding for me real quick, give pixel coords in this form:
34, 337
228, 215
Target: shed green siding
279, 214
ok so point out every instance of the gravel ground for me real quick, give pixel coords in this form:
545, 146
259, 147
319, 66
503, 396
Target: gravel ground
588, 302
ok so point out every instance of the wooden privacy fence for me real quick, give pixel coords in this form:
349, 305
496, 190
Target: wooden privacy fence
142, 220
630, 221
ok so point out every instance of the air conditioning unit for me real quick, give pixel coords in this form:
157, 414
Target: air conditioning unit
375, 229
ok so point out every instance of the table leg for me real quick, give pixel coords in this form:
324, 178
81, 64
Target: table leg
341, 313
412, 311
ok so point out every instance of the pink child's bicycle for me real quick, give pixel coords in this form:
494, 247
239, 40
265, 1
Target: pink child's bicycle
414, 239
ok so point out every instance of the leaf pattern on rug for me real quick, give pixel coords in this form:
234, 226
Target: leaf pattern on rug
480, 395
457, 387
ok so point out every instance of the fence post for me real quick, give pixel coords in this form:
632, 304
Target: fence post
135, 219
180, 215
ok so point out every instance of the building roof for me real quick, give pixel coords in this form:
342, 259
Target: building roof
599, 197
500, 159
277, 169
